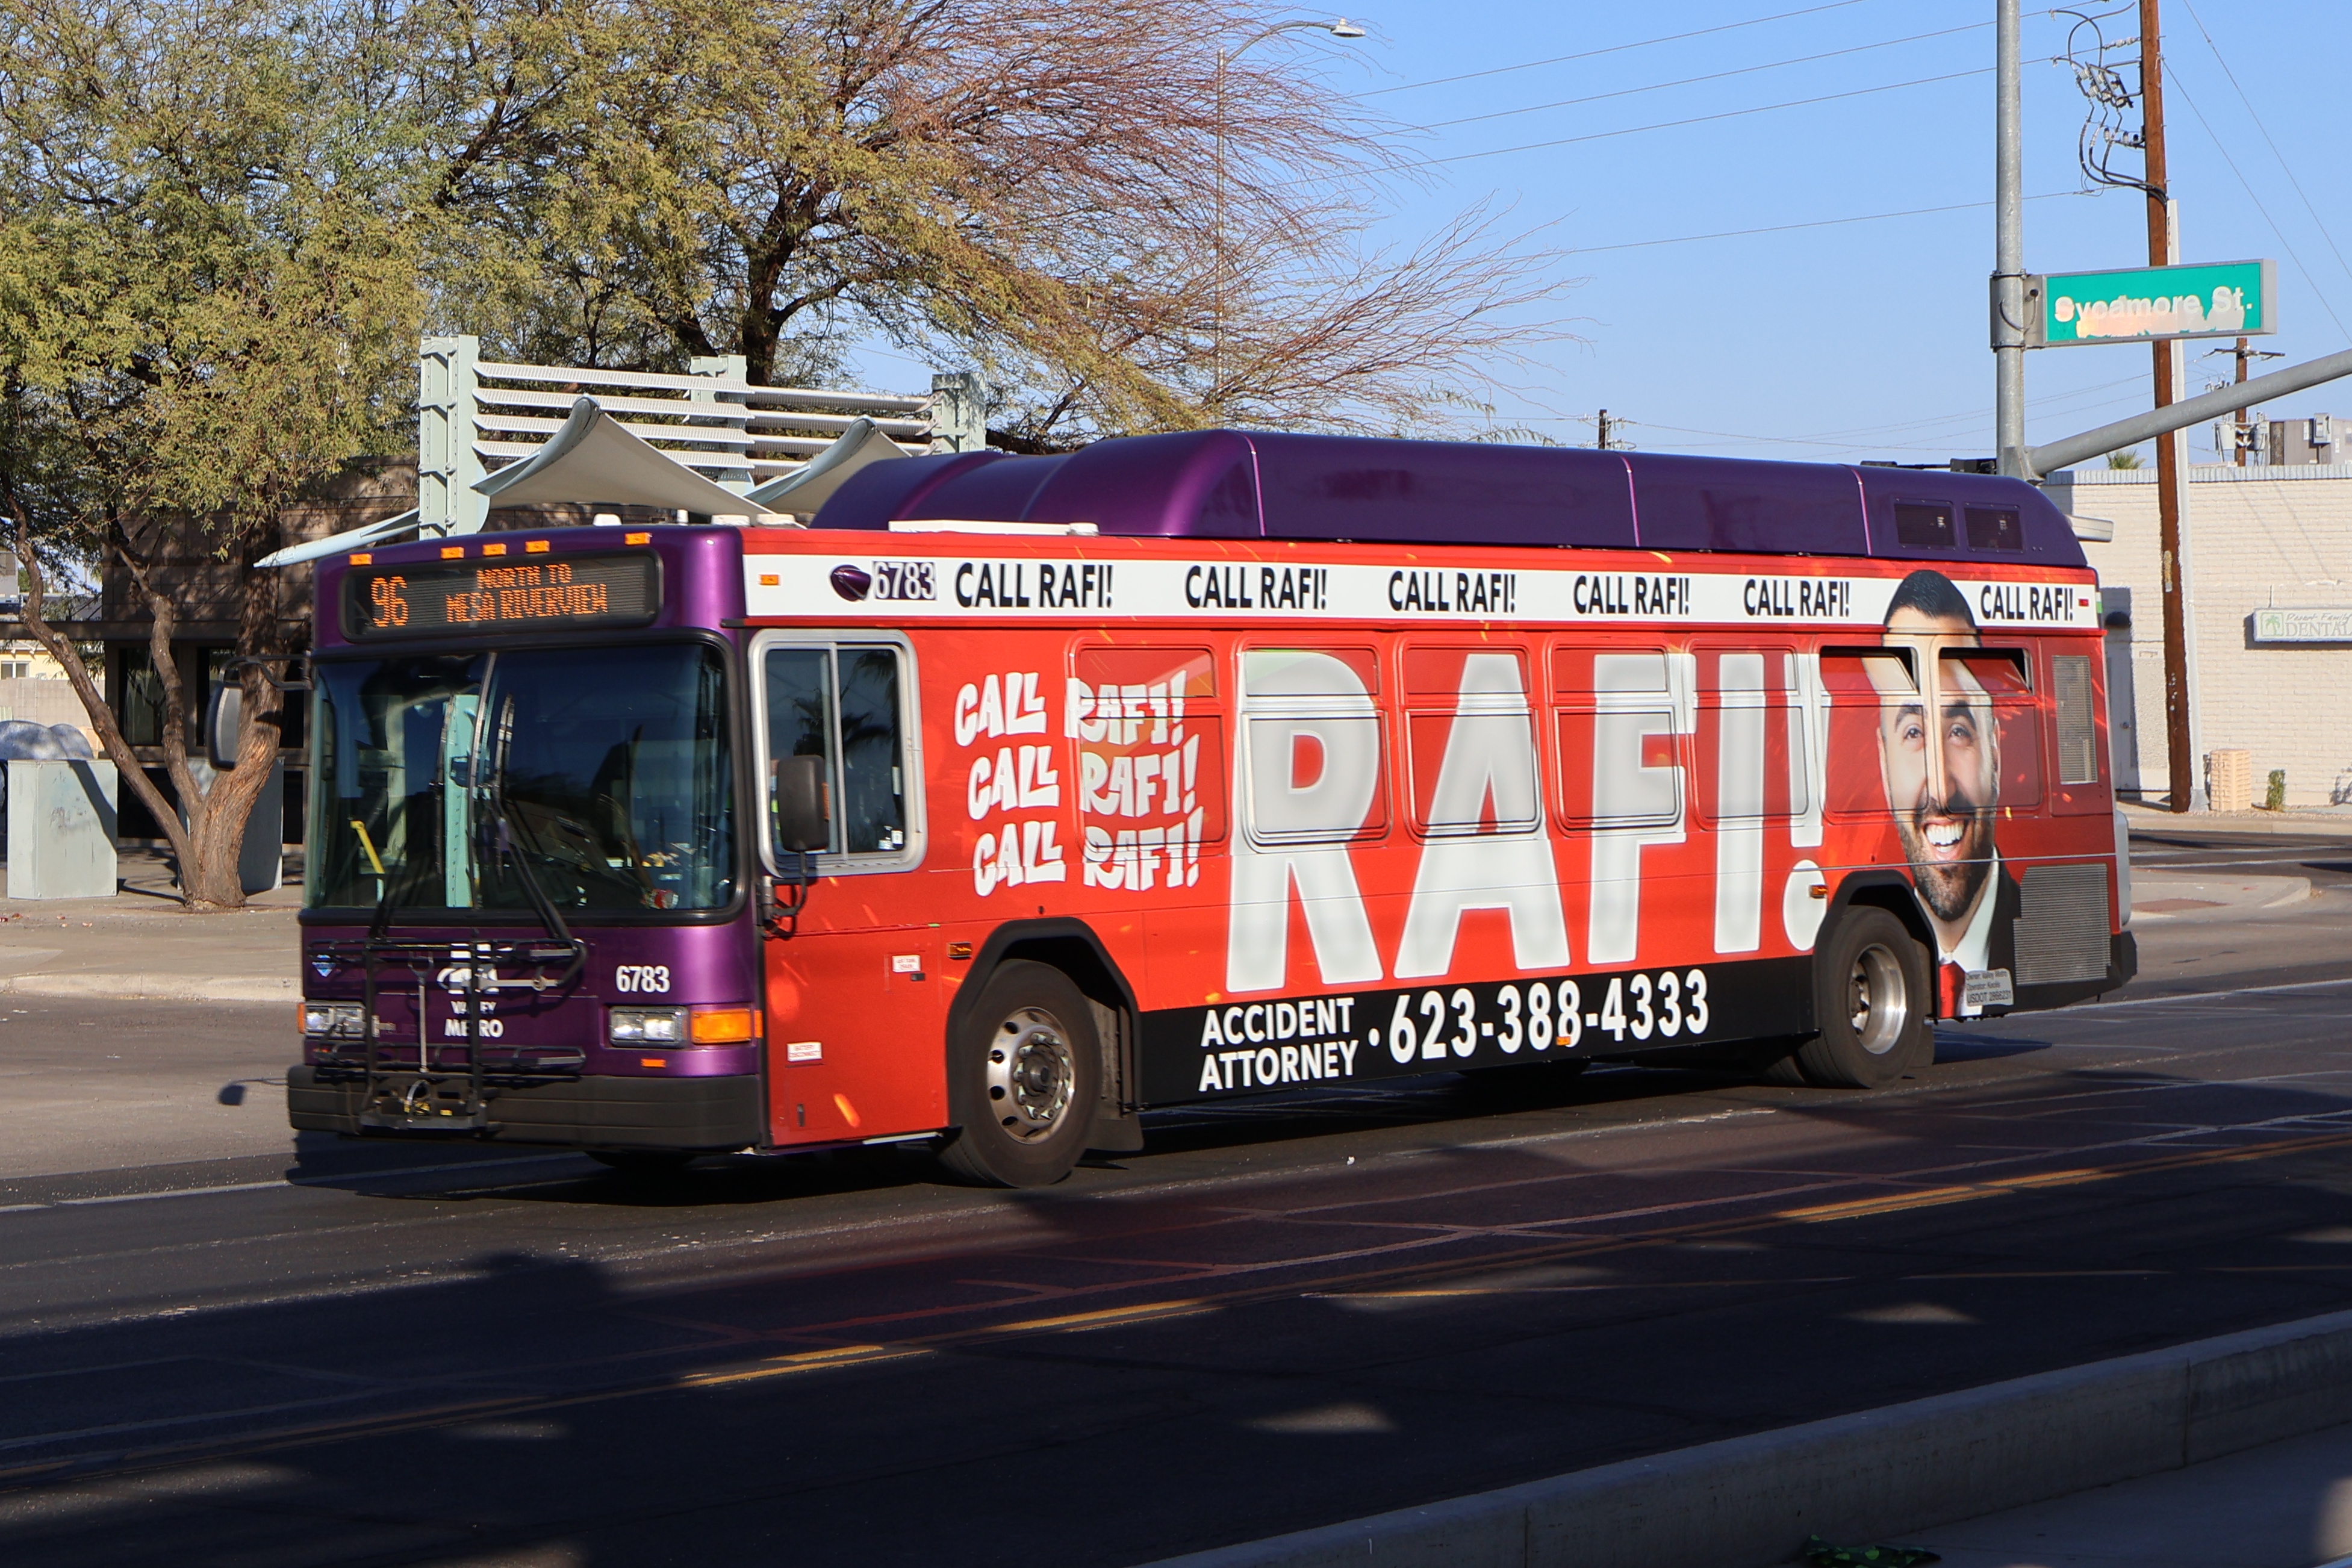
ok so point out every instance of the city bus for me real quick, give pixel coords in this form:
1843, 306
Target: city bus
1011, 797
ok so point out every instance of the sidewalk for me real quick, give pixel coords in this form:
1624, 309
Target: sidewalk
2323, 821
141, 944
2285, 1506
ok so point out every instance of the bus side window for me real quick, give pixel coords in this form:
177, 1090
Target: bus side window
1149, 733
2078, 732
1620, 738
1470, 749
1999, 681
843, 703
1750, 750
1314, 764
1868, 688
873, 753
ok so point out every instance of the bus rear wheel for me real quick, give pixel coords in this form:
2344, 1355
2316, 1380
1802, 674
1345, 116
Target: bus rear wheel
1024, 1076
1873, 1003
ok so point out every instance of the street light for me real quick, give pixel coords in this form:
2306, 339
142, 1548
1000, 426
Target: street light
1340, 28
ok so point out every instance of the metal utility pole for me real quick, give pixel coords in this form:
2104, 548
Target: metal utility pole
2180, 740
2008, 253
1603, 422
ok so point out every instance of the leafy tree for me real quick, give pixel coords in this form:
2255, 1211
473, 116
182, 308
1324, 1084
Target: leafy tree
207, 305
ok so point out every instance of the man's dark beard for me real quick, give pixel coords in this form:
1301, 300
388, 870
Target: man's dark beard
1948, 889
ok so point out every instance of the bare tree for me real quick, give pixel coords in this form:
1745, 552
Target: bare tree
1125, 228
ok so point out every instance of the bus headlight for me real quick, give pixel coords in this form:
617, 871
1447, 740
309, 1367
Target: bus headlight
330, 1020
647, 1026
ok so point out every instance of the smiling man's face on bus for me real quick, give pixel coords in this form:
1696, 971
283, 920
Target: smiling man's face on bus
1939, 755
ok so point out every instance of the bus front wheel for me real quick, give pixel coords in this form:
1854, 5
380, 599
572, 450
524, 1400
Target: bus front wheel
1874, 1003
1023, 1075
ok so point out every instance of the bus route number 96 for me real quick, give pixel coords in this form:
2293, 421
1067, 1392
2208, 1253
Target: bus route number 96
1670, 1005
391, 604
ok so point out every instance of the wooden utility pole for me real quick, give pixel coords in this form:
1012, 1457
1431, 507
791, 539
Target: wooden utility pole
2179, 745
2238, 431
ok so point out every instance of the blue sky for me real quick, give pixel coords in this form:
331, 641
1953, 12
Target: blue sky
1843, 341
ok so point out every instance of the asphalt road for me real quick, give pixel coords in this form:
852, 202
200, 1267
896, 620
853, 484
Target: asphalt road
1282, 1314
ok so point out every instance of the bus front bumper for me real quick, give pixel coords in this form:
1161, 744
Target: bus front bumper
709, 1114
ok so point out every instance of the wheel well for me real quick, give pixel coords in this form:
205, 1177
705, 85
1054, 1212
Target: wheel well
1071, 947
1077, 958
1896, 897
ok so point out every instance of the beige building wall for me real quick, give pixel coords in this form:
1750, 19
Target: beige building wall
2255, 538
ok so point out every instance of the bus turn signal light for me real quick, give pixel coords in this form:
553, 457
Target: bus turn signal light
724, 1026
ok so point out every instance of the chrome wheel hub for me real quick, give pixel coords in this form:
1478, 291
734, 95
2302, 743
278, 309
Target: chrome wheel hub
1878, 1000
1031, 1069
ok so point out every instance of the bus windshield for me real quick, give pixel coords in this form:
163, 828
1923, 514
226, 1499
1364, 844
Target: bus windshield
605, 769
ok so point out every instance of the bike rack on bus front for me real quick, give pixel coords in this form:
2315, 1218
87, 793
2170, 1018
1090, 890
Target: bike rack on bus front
426, 1097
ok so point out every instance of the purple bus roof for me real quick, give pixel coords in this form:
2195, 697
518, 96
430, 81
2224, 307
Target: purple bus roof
1227, 484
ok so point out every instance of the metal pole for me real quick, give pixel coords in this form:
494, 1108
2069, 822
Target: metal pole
2181, 747
2009, 253
2052, 456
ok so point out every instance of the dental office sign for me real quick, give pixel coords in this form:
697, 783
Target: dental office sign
2217, 299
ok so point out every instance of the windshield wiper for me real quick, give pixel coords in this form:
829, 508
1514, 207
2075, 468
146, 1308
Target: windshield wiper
509, 841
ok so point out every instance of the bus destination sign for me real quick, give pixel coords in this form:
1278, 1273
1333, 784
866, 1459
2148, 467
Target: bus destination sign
429, 598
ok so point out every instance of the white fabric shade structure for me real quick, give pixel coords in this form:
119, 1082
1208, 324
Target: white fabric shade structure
811, 485
593, 460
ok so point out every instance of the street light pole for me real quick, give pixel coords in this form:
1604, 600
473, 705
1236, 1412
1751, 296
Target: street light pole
2009, 252
1340, 28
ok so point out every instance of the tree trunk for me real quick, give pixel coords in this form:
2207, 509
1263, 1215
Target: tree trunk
206, 845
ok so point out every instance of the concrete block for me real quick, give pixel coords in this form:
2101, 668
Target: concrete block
2245, 1390
61, 830
1748, 1501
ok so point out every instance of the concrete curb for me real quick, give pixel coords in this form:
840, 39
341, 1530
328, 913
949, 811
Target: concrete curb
153, 988
1748, 1502
2144, 819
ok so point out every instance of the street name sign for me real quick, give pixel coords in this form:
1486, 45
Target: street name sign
2143, 304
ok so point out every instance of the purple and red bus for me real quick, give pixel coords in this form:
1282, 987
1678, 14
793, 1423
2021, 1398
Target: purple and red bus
1015, 797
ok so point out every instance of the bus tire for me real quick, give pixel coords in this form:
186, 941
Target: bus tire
1024, 1076
1874, 1000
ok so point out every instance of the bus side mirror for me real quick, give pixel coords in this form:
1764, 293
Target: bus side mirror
803, 821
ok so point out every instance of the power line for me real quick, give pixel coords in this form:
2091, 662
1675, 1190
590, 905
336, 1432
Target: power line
1815, 223
2255, 115
2247, 185
1694, 120
1873, 435
1712, 76
1614, 49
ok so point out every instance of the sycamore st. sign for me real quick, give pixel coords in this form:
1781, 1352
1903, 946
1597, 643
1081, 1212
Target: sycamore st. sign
2211, 299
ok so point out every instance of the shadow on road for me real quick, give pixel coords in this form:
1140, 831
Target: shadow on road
1097, 1375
